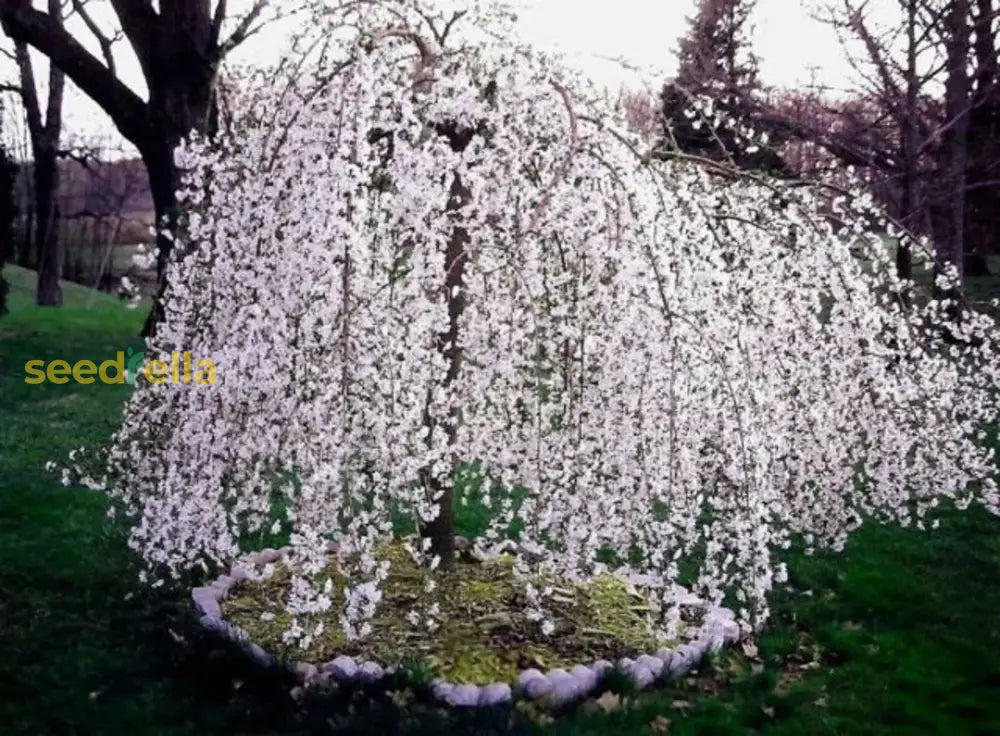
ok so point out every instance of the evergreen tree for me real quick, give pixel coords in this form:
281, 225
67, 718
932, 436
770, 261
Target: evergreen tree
709, 105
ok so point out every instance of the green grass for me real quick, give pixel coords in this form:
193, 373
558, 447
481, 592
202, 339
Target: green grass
899, 634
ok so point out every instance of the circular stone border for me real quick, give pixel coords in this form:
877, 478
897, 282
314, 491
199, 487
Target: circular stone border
557, 686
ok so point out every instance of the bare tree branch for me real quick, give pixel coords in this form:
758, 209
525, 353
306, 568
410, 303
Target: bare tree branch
79, 6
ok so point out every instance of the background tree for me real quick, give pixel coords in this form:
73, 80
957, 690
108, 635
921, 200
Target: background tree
921, 123
179, 45
716, 66
8, 172
44, 134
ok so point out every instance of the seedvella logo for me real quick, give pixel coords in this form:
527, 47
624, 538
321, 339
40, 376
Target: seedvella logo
126, 367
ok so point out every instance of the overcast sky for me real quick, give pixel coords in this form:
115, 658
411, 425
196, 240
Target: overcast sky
792, 46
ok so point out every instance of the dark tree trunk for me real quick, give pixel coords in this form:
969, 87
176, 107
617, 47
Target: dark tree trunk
163, 181
48, 293
44, 148
909, 145
982, 216
441, 531
950, 250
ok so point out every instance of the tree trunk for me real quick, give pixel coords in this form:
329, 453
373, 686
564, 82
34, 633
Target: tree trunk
441, 531
48, 293
44, 147
163, 182
909, 145
950, 250
981, 216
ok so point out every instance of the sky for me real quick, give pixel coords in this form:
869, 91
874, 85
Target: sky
793, 47
786, 38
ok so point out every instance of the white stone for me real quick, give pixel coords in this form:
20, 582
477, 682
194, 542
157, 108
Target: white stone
221, 587
204, 591
665, 655
538, 687
721, 612
586, 676
712, 640
258, 655
207, 600
563, 681
698, 649
213, 623
370, 672
730, 631
530, 549
239, 574
687, 651
441, 689
343, 668
496, 694
601, 667
641, 675
565, 688
651, 663
625, 663
464, 696
306, 672
504, 547
679, 665
527, 675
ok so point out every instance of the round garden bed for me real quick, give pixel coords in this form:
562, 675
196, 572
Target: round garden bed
484, 649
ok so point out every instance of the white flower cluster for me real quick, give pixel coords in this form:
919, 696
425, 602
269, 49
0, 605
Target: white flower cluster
678, 367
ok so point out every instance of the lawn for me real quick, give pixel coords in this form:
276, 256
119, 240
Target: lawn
900, 633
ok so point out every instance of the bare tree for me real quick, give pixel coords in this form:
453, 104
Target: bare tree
44, 136
179, 46
929, 139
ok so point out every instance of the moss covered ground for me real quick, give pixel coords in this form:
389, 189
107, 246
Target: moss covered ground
482, 634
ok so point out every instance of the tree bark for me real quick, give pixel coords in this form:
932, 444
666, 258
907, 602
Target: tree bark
44, 137
441, 531
48, 292
949, 250
909, 145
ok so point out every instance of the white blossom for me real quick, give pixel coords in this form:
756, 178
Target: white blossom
694, 366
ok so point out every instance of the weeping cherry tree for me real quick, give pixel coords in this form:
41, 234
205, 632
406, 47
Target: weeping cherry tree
432, 252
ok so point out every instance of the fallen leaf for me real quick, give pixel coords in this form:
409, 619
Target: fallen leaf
660, 724
609, 701
767, 710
